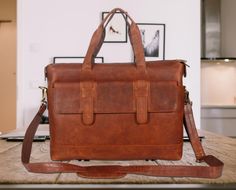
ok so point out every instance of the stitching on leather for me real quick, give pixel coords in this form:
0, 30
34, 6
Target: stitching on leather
87, 99
141, 95
164, 146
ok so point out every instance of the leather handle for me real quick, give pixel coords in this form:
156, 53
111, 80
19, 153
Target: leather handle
99, 35
213, 170
110, 15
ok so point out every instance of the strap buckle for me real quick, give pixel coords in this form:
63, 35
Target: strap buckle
44, 94
186, 97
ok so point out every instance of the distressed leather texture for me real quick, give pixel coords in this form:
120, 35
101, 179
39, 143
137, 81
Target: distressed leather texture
212, 170
116, 116
116, 111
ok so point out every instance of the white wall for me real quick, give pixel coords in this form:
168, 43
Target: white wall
48, 28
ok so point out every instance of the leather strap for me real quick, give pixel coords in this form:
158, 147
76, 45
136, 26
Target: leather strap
141, 93
213, 170
88, 94
99, 35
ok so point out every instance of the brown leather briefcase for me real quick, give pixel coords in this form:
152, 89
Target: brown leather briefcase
118, 111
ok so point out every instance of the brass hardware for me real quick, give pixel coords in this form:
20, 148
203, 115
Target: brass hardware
44, 94
186, 97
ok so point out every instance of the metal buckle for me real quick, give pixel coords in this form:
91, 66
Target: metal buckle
186, 97
44, 94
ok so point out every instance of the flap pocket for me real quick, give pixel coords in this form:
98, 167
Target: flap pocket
67, 97
118, 97
165, 97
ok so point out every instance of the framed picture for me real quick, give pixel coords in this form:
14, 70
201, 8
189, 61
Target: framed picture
116, 29
153, 39
75, 59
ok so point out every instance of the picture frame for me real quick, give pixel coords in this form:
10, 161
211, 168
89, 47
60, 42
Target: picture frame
116, 29
75, 59
153, 39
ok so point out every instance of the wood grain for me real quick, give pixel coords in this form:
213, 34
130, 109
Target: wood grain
12, 171
5, 145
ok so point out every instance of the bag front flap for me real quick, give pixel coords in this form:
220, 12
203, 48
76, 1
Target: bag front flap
117, 97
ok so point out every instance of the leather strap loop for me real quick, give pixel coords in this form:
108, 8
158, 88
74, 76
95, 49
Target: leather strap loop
214, 169
88, 94
141, 93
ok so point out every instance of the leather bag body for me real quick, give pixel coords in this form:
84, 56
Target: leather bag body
116, 111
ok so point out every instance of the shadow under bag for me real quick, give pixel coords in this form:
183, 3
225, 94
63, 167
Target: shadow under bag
130, 111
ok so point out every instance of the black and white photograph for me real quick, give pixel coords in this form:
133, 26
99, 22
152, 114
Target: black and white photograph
75, 59
116, 29
153, 39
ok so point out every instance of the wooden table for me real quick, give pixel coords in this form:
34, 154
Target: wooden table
12, 171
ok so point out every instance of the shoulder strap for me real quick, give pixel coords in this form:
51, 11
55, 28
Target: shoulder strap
213, 170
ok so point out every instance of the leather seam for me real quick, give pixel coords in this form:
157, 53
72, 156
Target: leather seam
170, 145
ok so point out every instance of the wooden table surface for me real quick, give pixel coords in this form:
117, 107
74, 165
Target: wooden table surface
13, 172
